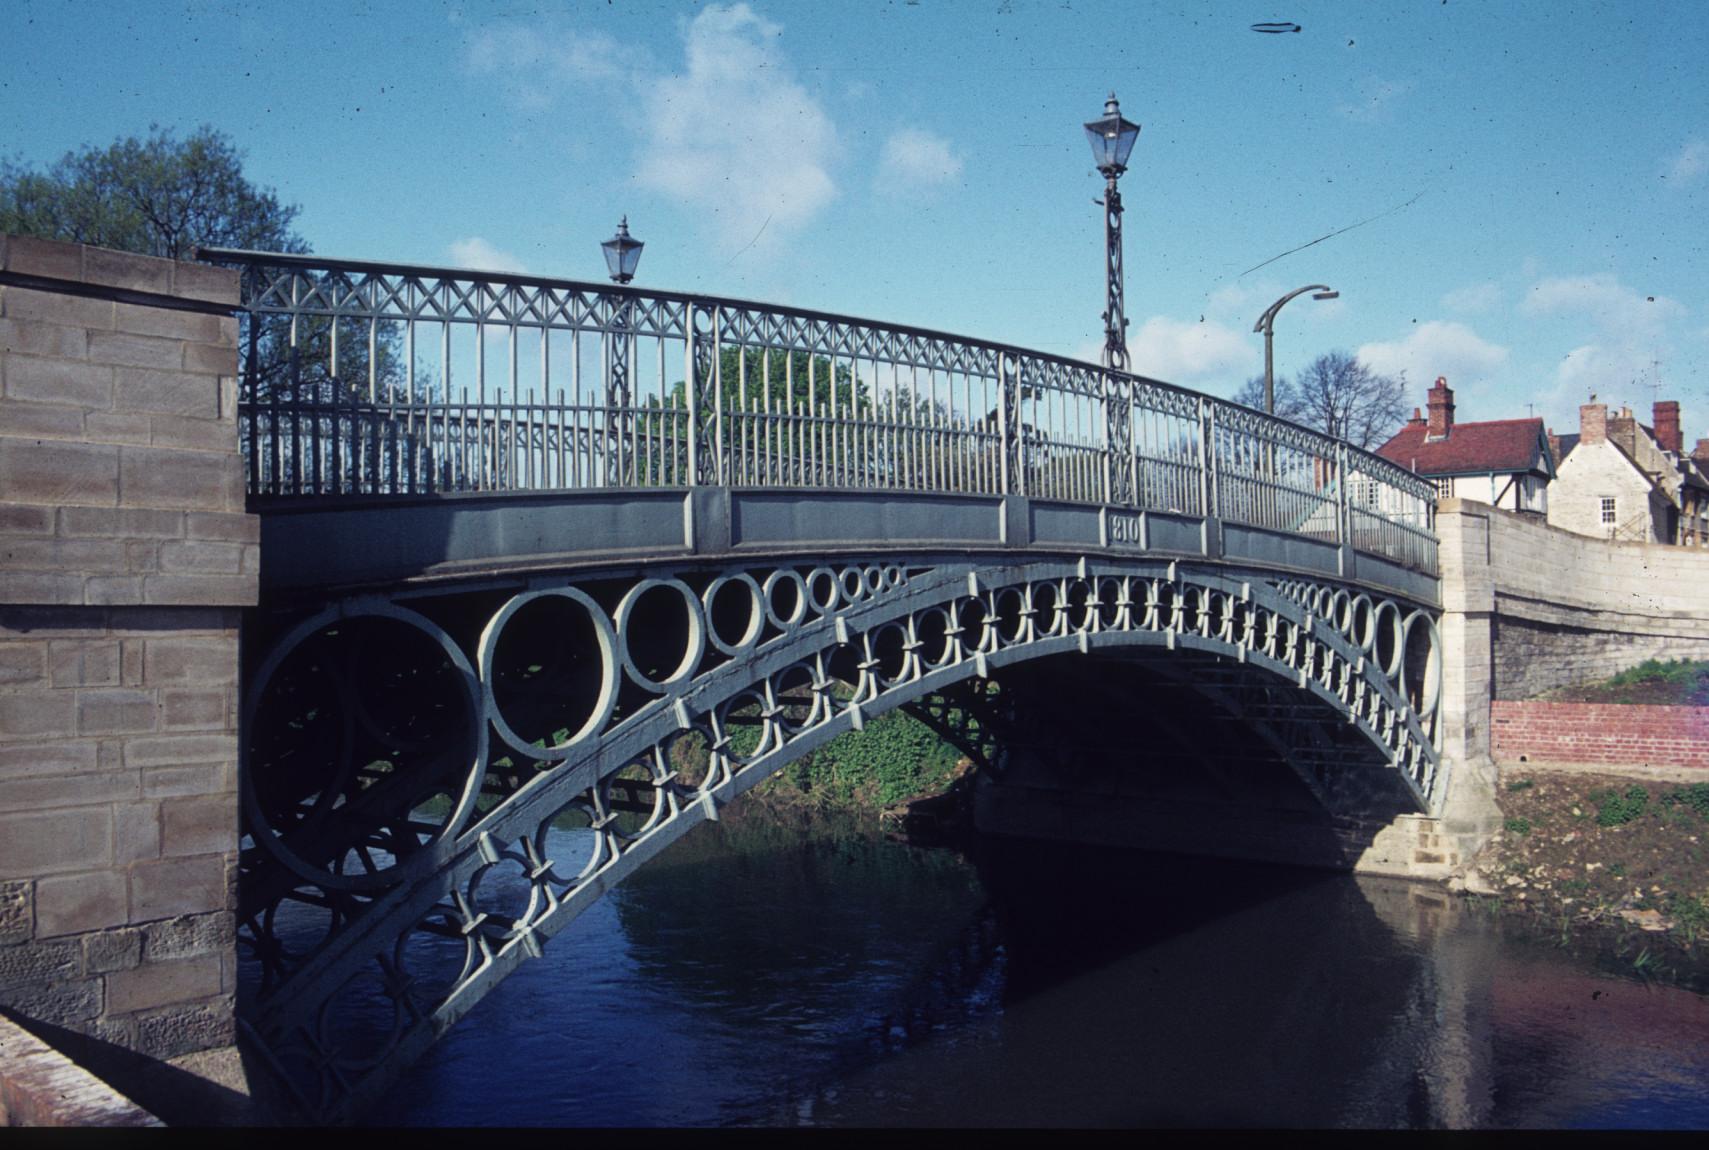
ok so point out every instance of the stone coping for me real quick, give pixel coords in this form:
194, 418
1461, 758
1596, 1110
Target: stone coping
39, 1086
1509, 768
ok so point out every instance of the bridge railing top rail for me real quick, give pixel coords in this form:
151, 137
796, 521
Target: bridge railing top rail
376, 378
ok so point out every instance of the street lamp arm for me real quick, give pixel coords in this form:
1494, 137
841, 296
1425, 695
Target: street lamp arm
1266, 324
1268, 319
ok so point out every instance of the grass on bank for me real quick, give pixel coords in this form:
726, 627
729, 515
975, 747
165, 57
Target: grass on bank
1677, 682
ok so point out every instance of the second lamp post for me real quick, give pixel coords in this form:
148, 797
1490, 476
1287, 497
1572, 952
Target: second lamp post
1266, 324
1112, 138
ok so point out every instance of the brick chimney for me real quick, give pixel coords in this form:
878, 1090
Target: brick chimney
1441, 400
1665, 416
1701, 451
1622, 429
1417, 419
1554, 446
1593, 423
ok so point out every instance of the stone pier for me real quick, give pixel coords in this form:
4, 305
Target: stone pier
126, 558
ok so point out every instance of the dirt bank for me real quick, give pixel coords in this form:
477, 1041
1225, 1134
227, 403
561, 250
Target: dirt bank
1602, 851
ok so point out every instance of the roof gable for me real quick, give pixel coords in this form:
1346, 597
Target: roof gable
1625, 457
1506, 446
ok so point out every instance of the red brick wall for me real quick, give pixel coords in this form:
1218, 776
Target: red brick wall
1599, 733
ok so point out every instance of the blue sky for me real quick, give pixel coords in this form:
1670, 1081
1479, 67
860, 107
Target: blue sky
1529, 181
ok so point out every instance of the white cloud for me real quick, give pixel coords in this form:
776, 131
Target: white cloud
534, 66
1474, 300
915, 161
735, 135
1692, 161
476, 253
1602, 300
1432, 349
1189, 352
1375, 97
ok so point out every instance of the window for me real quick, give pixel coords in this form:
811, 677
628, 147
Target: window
1444, 486
1608, 509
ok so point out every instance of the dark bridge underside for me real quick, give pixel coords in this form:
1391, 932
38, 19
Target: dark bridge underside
439, 779
1185, 752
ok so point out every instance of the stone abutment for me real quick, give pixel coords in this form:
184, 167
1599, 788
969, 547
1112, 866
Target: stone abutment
126, 558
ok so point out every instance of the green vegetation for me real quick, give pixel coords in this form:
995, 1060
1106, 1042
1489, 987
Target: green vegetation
1690, 913
1518, 826
1677, 682
1521, 785
1694, 798
1615, 808
1656, 671
896, 757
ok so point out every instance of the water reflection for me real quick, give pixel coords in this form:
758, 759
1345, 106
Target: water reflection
755, 974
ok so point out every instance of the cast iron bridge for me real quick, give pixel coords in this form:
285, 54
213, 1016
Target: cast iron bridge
554, 571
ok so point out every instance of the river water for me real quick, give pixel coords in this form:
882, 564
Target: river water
756, 974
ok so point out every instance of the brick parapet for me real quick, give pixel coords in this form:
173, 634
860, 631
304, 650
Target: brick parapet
1607, 733
126, 556
121, 479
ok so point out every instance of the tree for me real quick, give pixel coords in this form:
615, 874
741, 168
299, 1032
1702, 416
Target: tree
161, 197
1345, 398
1288, 406
165, 196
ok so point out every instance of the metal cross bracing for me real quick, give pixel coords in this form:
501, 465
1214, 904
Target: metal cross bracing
438, 780
375, 379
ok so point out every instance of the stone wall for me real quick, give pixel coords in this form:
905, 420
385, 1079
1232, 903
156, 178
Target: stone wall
1569, 610
1601, 733
1528, 607
125, 560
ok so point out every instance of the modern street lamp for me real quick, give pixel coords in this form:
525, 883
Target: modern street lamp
1266, 324
1112, 138
622, 253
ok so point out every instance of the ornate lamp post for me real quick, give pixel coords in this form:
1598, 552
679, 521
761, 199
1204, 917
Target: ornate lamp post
1266, 324
622, 256
622, 253
1112, 138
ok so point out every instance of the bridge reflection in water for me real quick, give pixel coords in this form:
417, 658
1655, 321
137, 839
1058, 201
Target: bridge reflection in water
703, 538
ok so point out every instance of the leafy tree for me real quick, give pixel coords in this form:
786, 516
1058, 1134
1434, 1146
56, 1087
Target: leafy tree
166, 196
1345, 398
161, 197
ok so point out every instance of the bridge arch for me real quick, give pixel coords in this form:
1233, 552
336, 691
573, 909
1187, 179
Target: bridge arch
535, 729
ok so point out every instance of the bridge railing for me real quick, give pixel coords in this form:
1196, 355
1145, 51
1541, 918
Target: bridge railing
377, 379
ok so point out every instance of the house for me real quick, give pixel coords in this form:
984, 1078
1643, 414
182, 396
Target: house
1620, 479
1502, 462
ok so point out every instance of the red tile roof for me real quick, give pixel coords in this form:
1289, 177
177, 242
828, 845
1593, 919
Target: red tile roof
1500, 445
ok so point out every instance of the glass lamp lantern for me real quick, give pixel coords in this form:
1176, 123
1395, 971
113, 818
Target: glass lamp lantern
1112, 138
622, 253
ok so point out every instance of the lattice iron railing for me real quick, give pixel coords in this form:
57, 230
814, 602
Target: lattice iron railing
373, 379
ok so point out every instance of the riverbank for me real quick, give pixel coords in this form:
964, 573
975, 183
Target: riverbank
1604, 852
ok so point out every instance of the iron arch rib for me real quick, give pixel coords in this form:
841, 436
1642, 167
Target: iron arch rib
553, 718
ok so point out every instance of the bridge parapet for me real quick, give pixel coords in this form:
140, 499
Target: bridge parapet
366, 379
